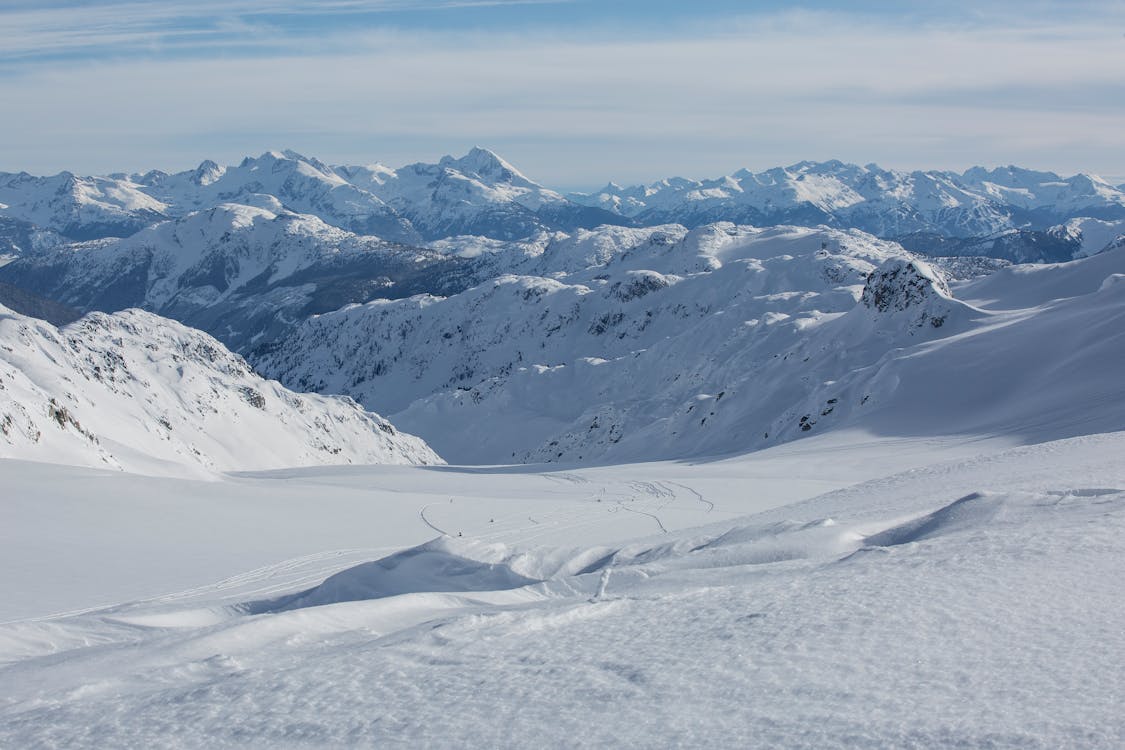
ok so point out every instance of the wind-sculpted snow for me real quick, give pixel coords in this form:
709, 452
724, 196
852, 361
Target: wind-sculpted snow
972, 602
440, 565
138, 392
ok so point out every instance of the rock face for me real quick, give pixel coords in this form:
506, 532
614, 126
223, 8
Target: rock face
139, 392
903, 285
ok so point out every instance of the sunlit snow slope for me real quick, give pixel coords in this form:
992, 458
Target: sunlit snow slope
726, 339
135, 391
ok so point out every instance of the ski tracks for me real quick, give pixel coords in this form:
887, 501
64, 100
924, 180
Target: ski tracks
710, 505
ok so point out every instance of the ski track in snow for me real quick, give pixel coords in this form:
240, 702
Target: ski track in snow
710, 505
653, 516
422, 515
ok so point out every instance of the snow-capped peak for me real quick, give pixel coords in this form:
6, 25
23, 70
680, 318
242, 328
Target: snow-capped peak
485, 164
207, 172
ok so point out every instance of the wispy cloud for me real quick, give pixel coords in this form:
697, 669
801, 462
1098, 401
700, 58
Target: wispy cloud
577, 109
44, 30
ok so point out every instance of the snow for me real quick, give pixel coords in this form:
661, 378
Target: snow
977, 203
786, 487
1094, 235
891, 593
137, 392
792, 330
482, 194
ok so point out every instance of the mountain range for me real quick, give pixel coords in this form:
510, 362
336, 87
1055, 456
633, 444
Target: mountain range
724, 339
481, 194
502, 321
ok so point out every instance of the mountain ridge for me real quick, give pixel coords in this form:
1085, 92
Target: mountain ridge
482, 194
141, 393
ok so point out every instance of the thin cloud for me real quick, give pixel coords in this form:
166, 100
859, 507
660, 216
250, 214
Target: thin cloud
576, 111
44, 31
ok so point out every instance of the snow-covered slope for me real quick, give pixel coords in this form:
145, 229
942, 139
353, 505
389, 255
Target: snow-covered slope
242, 273
887, 203
79, 207
142, 393
1092, 235
566, 363
724, 339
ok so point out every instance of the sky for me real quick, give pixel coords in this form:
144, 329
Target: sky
573, 92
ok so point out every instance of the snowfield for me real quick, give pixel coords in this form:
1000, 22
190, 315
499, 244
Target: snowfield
963, 594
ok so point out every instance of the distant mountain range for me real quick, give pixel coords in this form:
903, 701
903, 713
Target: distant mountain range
248, 252
478, 194
888, 203
481, 194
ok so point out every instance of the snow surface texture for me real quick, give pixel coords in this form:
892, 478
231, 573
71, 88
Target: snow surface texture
138, 392
972, 602
725, 339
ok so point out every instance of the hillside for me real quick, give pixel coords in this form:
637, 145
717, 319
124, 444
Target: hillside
141, 393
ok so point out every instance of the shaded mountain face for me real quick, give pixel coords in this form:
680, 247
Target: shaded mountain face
245, 274
139, 392
33, 306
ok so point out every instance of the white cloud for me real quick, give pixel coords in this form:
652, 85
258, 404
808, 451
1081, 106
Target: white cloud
580, 110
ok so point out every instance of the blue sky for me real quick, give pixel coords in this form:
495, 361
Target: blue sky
574, 92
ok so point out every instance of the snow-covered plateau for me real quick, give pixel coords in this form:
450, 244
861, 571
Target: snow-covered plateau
801, 484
